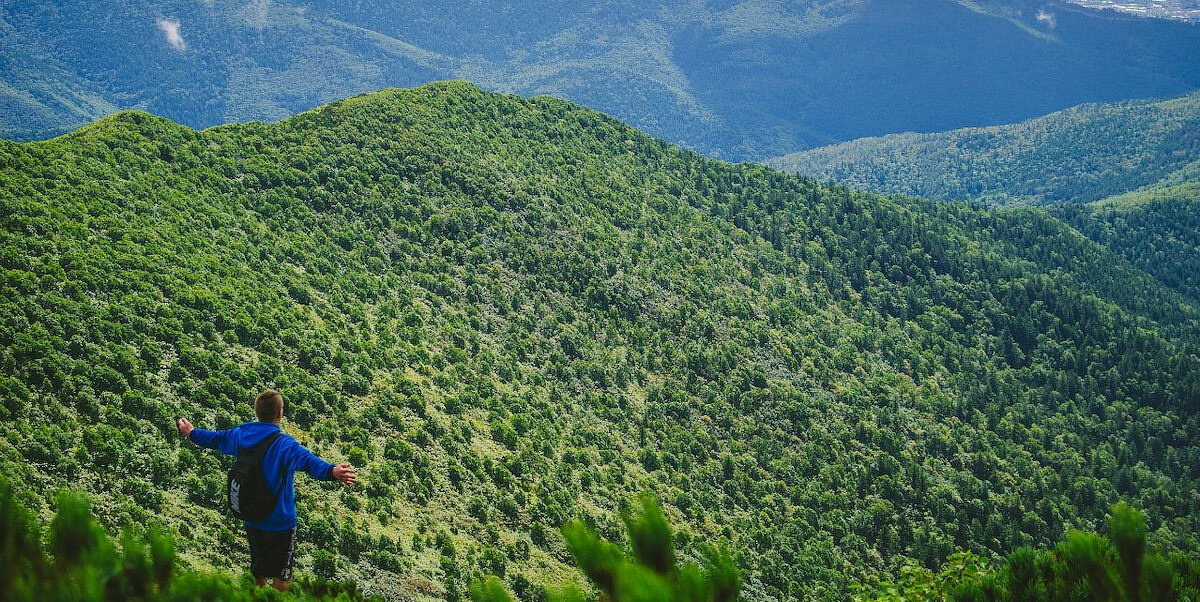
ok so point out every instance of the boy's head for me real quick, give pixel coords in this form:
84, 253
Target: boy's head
268, 406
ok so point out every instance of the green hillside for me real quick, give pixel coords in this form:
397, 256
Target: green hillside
1125, 175
735, 79
1157, 230
1082, 154
517, 312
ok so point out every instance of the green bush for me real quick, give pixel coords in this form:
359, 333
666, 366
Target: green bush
651, 573
78, 562
1084, 566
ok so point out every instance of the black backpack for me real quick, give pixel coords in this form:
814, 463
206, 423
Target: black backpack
249, 498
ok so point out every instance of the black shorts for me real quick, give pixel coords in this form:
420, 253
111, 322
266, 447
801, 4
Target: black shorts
271, 553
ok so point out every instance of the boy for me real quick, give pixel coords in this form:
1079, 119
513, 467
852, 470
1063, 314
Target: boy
273, 539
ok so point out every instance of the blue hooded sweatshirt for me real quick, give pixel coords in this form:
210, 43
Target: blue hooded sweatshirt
284, 457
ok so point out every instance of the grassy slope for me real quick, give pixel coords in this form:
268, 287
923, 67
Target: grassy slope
517, 311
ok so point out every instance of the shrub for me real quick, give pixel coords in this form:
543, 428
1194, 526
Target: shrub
652, 573
80, 563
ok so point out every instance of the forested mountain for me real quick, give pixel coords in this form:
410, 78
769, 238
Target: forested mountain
1126, 175
1086, 153
742, 79
515, 312
1158, 230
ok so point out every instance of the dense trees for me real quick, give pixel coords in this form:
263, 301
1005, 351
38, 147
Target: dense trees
1157, 230
1125, 175
521, 313
1084, 566
76, 560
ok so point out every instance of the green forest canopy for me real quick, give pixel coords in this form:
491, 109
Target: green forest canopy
1126, 175
1157, 230
518, 312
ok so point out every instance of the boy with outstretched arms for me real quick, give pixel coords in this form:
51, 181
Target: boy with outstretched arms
272, 539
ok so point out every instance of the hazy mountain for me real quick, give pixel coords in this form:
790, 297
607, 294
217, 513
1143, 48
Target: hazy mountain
740, 80
513, 312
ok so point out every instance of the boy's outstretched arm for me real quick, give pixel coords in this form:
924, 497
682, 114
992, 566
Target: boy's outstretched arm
299, 458
218, 440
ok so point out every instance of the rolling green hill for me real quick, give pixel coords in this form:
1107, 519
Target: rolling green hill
1157, 230
1086, 153
514, 312
1126, 175
742, 79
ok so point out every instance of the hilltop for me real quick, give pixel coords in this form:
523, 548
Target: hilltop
741, 80
513, 312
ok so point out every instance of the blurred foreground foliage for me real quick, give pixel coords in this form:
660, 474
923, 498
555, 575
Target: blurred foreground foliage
650, 573
1082, 567
75, 560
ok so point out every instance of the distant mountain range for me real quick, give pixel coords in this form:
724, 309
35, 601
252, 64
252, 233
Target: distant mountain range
736, 80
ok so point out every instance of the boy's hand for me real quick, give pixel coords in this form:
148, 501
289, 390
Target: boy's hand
345, 473
185, 427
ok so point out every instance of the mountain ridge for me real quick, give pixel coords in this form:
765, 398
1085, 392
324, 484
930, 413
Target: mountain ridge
736, 80
1125, 174
511, 312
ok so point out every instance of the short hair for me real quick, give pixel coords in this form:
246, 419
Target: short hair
267, 405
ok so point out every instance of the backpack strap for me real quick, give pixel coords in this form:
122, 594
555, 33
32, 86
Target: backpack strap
261, 445
265, 444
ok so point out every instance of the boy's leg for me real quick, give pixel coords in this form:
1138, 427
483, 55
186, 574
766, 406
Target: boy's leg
254, 537
272, 553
